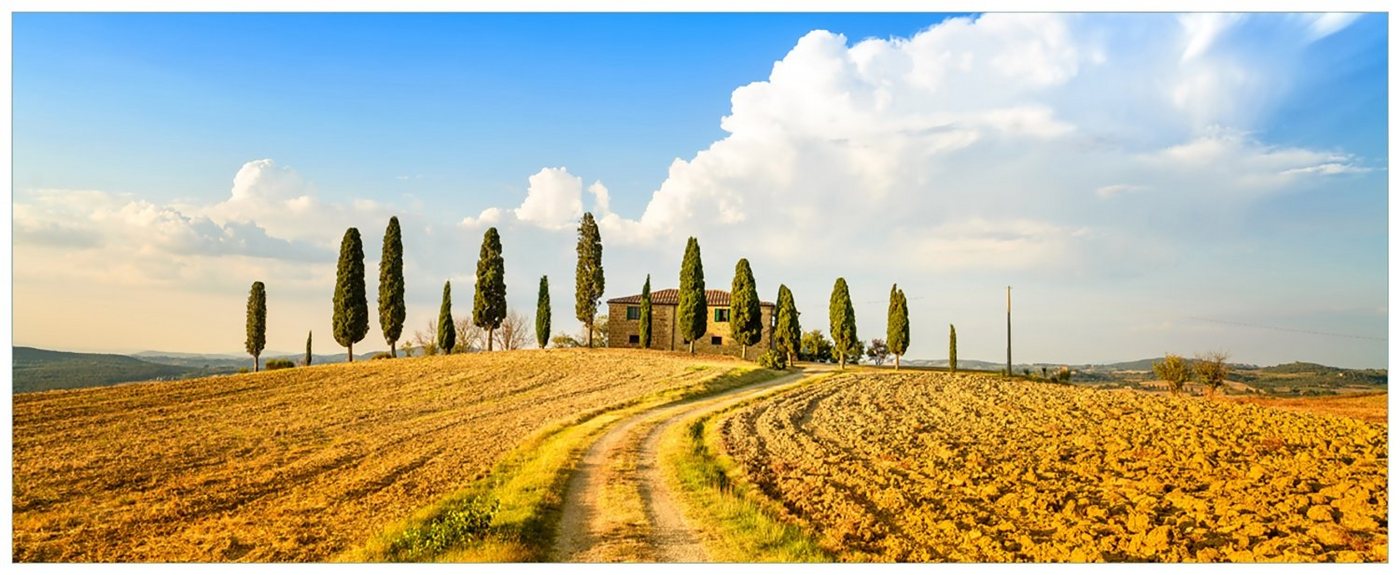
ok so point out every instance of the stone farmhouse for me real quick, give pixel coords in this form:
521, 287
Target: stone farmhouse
624, 314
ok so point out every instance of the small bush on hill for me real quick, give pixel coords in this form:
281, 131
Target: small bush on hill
381, 355
280, 364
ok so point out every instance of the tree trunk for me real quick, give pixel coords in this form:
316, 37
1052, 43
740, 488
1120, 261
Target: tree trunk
590, 334
744, 351
896, 362
490, 337
255, 364
350, 352
692, 348
843, 361
393, 349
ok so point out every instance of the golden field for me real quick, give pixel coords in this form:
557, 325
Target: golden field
296, 464
968, 467
1370, 407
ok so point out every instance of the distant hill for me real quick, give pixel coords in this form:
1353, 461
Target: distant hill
42, 369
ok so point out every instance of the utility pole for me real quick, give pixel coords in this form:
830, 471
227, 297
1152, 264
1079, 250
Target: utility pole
1008, 331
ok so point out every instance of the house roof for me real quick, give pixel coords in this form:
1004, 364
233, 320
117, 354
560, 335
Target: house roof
672, 296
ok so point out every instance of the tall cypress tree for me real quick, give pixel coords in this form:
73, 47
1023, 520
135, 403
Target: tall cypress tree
542, 314
843, 322
952, 348
257, 322
788, 335
644, 321
447, 329
745, 317
897, 326
489, 306
350, 319
692, 309
308, 347
588, 275
391, 303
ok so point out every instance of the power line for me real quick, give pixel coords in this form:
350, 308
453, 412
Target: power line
1287, 329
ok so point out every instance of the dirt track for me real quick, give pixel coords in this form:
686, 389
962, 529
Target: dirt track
618, 505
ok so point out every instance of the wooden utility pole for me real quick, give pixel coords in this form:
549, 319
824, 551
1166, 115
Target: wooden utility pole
1008, 331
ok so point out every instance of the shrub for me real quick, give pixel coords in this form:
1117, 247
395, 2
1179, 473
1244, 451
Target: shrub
279, 364
382, 355
1063, 374
1174, 370
463, 523
771, 359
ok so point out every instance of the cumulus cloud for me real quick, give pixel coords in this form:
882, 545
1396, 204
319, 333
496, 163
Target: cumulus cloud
1114, 190
554, 199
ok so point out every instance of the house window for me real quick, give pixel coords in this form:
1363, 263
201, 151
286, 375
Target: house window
721, 314
634, 339
634, 312
716, 340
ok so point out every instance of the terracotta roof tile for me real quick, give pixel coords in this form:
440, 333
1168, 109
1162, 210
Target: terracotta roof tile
713, 297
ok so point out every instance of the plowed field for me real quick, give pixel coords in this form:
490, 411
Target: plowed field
939, 467
297, 464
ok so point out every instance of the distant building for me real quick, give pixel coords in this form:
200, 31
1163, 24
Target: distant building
624, 314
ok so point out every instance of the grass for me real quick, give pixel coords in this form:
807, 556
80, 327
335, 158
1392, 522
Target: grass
525, 490
748, 526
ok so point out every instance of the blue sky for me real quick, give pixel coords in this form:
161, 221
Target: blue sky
1131, 175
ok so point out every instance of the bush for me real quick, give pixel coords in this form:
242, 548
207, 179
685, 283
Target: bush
279, 364
381, 355
771, 359
460, 524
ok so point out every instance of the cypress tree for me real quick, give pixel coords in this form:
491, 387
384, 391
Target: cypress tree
692, 309
447, 330
588, 275
644, 320
843, 322
350, 319
308, 347
897, 326
391, 303
788, 335
489, 306
542, 314
745, 317
952, 348
257, 322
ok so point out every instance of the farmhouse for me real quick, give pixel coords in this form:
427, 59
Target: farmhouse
624, 313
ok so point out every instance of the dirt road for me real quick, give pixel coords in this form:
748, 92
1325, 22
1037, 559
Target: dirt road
618, 506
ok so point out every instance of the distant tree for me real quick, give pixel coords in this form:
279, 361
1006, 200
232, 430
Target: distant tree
692, 309
1212, 369
897, 326
446, 336
1174, 370
427, 340
787, 336
565, 340
257, 322
644, 317
745, 317
308, 347
350, 320
489, 307
470, 338
588, 275
878, 352
844, 340
542, 314
815, 347
391, 301
600, 330
952, 348
406, 348
1062, 375
514, 331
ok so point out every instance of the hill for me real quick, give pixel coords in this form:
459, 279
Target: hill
42, 369
297, 464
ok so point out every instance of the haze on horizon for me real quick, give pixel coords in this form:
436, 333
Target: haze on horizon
1147, 183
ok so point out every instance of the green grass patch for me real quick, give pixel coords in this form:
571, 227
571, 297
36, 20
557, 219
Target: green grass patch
747, 524
523, 495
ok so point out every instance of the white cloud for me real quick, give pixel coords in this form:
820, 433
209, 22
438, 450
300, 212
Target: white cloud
554, 199
487, 217
1323, 25
982, 243
1115, 190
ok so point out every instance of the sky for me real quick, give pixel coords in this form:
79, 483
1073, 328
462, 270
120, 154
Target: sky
1146, 183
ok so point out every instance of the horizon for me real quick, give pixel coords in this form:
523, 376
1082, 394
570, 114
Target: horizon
1220, 186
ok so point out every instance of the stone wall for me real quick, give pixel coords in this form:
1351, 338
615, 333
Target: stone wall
664, 336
